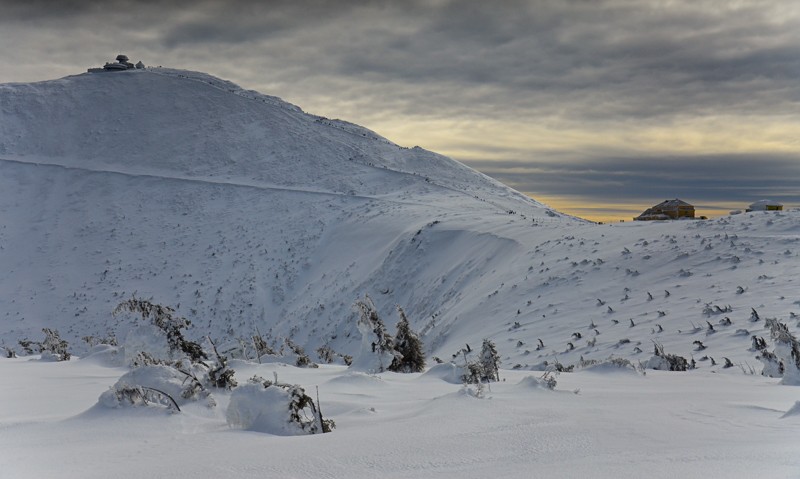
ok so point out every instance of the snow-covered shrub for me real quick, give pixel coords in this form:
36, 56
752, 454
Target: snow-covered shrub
261, 346
329, 356
137, 396
612, 363
220, 375
773, 367
472, 373
161, 336
410, 357
180, 383
302, 360
53, 348
784, 361
545, 381
666, 362
377, 346
275, 408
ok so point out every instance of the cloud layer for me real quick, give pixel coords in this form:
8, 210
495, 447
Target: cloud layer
603, 91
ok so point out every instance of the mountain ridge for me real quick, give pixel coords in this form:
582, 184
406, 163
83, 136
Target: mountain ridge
252, 215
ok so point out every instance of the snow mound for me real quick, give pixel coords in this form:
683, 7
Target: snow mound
611, 365
105, 355
357, 379
793, 411
533, 383
282, 410
447, 372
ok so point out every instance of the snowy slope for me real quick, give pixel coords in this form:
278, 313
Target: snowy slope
244, 212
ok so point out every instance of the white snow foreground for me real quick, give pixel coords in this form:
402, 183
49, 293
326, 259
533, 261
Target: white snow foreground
660, 425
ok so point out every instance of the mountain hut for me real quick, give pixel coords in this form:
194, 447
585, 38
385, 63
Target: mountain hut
667, 210
765, 205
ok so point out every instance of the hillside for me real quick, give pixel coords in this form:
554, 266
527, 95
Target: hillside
246, 213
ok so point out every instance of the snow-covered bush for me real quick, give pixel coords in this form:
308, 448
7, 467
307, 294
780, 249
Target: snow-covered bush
666, 362
179, 383
410, 357
137, 396
784, 361
301, 358
53, 348
611, 363
161, 334
329, 356
220, 375
377, 346
275, 408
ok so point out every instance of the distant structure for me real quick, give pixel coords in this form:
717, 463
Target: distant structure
765, 205
667, 210
121, 64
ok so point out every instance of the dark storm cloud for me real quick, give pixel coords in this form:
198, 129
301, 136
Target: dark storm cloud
582, 61
710, 178
585, 70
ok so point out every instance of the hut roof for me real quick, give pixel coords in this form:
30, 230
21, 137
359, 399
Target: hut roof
763, 203
672, 204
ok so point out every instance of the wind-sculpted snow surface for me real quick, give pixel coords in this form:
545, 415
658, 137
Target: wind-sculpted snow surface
658, 425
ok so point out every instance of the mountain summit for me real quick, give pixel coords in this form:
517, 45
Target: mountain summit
236, 207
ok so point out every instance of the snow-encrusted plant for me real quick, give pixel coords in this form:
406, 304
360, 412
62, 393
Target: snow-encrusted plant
181, 382
666, 362
141, 396
784, 361
302, 360
411, 355
611, 362
52, 348
485, 368
220, 375
377, 345
276, 408
163, 318
490, 361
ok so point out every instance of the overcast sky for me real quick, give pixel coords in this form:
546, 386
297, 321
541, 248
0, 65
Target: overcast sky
599, 108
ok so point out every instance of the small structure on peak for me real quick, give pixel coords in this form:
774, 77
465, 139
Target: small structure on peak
122, 64
765, 205
667, 210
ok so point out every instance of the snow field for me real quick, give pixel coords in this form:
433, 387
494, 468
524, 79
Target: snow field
618, 424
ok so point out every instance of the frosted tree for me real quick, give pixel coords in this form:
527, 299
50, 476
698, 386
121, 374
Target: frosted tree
166, 324
490, 361
410, 357
377, 345
54, 345
786, 353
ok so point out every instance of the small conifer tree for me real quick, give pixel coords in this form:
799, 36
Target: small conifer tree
490, 361
411, 356
378, 351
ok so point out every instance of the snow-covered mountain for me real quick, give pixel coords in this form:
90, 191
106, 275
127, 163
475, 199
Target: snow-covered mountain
246, 213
